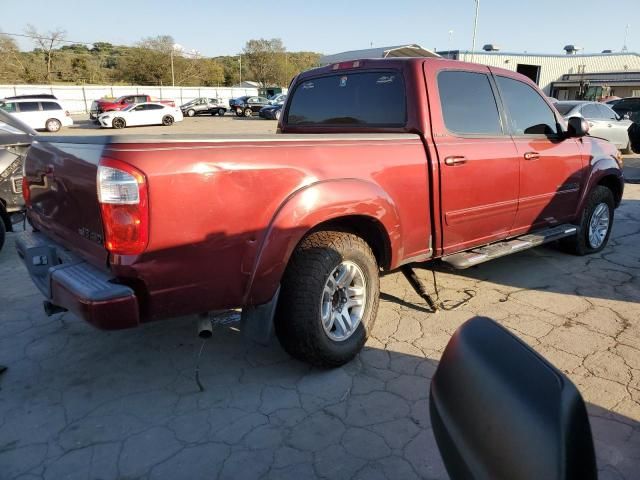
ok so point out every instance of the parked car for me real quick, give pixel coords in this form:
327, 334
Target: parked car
628, 107
603, 121
278, 99
380, 163
15, 139
271, 112
203, 105
149, 113
103, 105
247, 106
38, 113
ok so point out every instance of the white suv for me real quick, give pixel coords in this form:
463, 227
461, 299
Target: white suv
38, 113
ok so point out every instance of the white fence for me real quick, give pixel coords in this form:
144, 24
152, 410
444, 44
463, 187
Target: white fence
77, 99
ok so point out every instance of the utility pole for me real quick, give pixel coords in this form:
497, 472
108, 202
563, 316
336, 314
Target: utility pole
173, 77
240, 60
475, 30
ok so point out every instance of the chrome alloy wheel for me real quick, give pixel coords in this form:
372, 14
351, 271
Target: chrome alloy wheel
343, 301
598, 225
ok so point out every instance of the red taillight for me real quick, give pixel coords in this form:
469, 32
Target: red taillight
26, 193
124, 202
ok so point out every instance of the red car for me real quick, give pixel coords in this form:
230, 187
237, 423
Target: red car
102, 105
378, 164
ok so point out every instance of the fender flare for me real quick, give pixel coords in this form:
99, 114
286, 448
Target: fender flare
600, 168
304, 210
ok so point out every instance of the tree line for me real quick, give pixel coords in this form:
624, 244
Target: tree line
148, 62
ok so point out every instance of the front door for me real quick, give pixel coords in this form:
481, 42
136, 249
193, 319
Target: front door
477, 158
551, 165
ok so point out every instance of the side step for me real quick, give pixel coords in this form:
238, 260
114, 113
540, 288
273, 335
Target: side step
483, 254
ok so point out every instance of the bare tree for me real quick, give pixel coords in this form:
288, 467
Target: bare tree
47, 42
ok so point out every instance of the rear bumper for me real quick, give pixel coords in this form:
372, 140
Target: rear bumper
68, 281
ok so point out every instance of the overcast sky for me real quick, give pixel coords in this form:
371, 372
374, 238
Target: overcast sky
330, 26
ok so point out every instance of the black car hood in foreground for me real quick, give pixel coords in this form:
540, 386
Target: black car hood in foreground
14, 131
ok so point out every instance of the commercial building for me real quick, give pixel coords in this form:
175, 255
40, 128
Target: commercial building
565, 76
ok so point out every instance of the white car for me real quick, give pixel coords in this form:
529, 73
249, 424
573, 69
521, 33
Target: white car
148, 113
38, 113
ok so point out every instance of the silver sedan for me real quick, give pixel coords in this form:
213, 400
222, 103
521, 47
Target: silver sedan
603, 121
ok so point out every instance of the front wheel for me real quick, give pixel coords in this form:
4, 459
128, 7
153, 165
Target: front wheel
329, 298
167, 120
118, 123
595, 224
248, 112
191, 112
238, 112
221, 112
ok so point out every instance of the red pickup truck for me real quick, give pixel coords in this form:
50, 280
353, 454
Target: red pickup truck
377, 164
103, 105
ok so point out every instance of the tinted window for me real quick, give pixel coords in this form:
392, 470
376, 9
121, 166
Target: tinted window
50, 106
590, 111
468, 103
153, 107
28, 106
530, 114
361, 99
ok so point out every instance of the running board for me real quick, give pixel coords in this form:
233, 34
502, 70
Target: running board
479, 255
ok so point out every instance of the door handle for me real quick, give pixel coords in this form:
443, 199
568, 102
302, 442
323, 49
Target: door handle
455, 160
531, 156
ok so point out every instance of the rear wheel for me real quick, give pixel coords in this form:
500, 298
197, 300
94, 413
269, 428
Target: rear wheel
191, 112
118, 122
221, 112
238, 112
595, 224
329, 298
53, 125
248, 112
167, 120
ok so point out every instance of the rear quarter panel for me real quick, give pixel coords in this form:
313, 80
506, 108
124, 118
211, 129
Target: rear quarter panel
212, 205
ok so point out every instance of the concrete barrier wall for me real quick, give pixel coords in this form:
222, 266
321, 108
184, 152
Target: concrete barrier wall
77, 99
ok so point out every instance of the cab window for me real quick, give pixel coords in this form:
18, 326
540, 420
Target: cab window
529, 113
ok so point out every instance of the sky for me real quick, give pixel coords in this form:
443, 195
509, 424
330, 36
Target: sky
329, 26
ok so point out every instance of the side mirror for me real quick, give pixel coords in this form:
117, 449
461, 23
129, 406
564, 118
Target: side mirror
501, 411
577, 127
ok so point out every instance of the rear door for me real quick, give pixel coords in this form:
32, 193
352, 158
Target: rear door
478, 160
551, 172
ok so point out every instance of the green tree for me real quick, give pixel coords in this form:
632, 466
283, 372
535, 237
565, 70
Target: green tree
266, 60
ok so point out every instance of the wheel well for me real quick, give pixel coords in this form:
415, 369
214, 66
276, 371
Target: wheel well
613, 184
369, 229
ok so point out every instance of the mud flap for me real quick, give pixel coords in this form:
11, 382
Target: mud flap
257, 321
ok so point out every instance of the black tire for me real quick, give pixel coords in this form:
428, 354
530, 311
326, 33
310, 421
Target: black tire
238, 112
53, 125
167, 120
3, 232
248, 112
579, 244
118, 122
191, 112
222, 111
298, 321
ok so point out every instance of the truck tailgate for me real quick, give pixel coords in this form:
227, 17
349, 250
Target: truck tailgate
64, 201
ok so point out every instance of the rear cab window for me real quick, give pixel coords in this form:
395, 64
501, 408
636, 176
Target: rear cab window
361, 99
468, 104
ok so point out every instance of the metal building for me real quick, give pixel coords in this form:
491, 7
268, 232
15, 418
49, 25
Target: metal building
545, 69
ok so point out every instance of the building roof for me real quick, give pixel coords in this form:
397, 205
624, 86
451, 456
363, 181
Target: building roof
532, 54
412, 50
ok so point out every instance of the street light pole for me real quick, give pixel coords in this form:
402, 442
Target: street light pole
475, 30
